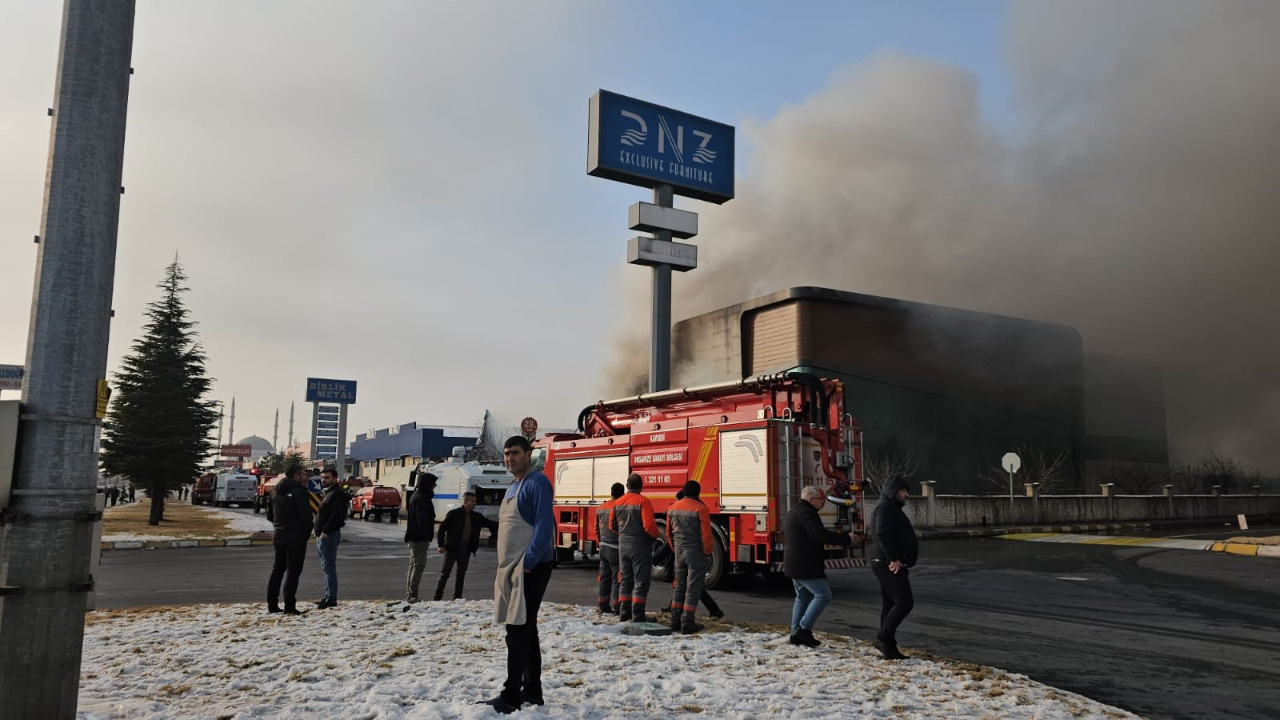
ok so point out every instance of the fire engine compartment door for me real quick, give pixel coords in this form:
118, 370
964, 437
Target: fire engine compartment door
744, 470
573, 481
606, 472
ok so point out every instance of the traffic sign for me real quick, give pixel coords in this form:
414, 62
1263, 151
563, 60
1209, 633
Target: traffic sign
104, 396
1011, 462
529, 426
11, 377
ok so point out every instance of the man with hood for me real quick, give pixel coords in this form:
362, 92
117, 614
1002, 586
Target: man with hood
896, 551
420, 525
804, 561
689, 535
291, 517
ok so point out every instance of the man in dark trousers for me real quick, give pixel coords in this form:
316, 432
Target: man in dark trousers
896, 551
330, 518
459, 539
526, 554
291, 516
804, 561
420, 525
607, 577
689, 535
631, 517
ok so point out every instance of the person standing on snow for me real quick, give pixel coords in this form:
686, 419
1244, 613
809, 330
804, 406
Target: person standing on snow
420, 524
631, 517
804, 561
526, 554
607, 578
689, 535
330, 518
896, 550
291, 516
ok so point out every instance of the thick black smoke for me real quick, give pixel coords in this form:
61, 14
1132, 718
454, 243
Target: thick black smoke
1131, 191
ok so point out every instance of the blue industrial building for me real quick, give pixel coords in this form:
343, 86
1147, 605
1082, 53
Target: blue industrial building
387, 454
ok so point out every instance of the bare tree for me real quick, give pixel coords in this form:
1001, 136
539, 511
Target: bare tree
885, 461
1050, 468
1133, 478
1218, 469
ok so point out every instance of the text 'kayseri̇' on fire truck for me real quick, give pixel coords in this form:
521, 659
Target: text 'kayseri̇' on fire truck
753, 445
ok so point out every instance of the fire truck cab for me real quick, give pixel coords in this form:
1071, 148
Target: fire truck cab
753, 445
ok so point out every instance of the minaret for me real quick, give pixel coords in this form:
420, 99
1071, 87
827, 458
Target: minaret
275, 432
290, 423
231, 431
222, 411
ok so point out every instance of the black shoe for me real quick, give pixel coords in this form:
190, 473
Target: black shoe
292, 611
690, 628
323, 604
889, 651
675, 623
603, 608
716, 615
807, 639
794, 639
527, 699
273, 608
500, 705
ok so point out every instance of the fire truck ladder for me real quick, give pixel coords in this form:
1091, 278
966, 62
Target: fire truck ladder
790, 462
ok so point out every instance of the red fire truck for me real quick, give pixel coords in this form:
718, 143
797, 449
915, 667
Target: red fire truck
753, 445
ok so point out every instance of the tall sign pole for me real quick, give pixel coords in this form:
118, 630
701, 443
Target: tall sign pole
329, 400
643, 144
48, 529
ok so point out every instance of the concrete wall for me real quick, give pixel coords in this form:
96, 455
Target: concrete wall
946, 511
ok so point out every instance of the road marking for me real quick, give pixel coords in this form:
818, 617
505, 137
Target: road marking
1063, 577
1162, 543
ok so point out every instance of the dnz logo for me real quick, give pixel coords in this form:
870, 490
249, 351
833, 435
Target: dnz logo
638, 136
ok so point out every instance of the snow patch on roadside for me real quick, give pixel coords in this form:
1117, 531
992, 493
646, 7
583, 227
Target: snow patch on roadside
361, 660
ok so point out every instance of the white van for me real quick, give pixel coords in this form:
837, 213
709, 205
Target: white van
235, 488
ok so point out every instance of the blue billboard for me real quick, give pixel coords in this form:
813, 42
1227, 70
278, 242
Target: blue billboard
643, 144
333, 391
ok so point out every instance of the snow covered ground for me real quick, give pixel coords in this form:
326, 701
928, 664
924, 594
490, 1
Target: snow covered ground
245, 523
363, 660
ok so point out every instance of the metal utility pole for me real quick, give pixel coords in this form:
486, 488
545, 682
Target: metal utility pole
660, 331
48, 528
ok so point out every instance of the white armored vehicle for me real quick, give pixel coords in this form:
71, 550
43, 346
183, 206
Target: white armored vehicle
457, 476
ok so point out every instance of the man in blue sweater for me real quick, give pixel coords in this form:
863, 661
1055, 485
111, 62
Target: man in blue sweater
526, 531
896, 551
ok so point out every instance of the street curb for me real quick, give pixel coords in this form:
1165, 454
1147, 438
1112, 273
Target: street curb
1100, 529
1246, 549
255, 539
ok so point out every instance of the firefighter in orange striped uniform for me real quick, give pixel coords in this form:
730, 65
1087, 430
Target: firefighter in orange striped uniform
631, 517
689, 535
607, 578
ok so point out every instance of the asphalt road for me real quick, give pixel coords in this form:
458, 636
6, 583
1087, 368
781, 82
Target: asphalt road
1163, 633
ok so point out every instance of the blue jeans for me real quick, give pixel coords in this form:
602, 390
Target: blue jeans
812, 597
328, 548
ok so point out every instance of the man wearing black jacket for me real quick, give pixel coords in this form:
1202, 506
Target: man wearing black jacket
419, 526
291, 516
804, 561
330, 518
458, 540
896, 551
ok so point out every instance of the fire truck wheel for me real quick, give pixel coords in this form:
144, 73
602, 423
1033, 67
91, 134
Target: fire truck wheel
662, 557
719, 558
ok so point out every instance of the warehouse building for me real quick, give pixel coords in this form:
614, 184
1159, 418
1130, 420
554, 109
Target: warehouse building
952, 390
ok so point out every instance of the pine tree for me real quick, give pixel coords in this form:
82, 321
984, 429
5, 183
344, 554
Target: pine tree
158, 429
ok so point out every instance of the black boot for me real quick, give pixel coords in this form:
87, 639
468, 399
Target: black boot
690, 625
637, 613
888, 650
675, 622
624, 611
807, 639
604, 607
